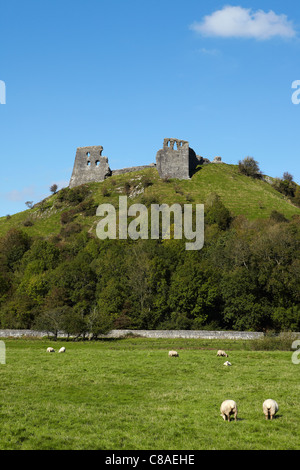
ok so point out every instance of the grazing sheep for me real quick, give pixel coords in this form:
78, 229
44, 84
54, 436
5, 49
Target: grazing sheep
227, 409
227, 363
63, 349
173, 354
270, 408
50, 350
222, 353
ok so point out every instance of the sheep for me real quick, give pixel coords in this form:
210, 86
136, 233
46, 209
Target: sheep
270, 408
222, 353
173, 354
227, 363
50, 350
63, 349
228, 408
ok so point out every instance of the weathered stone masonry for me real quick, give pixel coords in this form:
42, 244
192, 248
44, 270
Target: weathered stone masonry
175, 160
89, 166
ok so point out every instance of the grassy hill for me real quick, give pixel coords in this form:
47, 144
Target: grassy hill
250, 197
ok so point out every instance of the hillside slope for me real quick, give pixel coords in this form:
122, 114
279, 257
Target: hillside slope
253, 198
56, 274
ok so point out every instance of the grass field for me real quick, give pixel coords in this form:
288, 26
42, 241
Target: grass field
128, 394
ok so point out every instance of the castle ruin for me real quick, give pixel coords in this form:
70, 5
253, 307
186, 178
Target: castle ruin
89, 166
175, 160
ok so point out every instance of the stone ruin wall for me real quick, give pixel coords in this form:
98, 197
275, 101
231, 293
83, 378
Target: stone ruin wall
89, 166
175, 160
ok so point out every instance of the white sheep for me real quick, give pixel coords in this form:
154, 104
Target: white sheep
173, 354
222, 353
227, 409
63, 349
270, 408
227, 363
50, 350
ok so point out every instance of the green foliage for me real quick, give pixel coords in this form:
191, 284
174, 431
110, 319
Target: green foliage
249, 167
285, 319
245, 277
296, 199
74, 196
285, 186
13, 246
216, 212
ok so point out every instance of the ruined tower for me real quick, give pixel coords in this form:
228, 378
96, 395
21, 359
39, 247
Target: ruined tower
176, 159
89, 166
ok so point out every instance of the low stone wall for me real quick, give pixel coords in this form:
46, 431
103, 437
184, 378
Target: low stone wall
27, 333
133, 168
200, 334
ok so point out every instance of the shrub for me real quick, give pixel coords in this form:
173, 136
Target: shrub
278, 217
146, 182
74, 196
273, 342
287, 176
249, 167
88, 207
70, 229
28, 223
105, 192
216, 212
127, 188
285, 187
53, 188
66, 217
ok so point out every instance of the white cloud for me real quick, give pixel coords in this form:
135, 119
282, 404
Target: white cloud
209, 51
235, 21
17, 195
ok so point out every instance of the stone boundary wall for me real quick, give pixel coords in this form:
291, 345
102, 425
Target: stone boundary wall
130, 169
200, 334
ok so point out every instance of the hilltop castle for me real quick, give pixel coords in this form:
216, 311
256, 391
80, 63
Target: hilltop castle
175, 160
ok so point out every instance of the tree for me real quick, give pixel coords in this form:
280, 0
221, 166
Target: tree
53, 188
13, 247
216, 212
29, 204
51, 320
249, 167
285, 186
287, 177
99, 323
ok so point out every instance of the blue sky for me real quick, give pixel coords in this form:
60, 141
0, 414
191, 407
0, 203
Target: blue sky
127, 74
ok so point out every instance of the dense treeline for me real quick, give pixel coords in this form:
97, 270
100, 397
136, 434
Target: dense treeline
245, 278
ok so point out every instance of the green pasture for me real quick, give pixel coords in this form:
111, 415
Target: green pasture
128, 394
